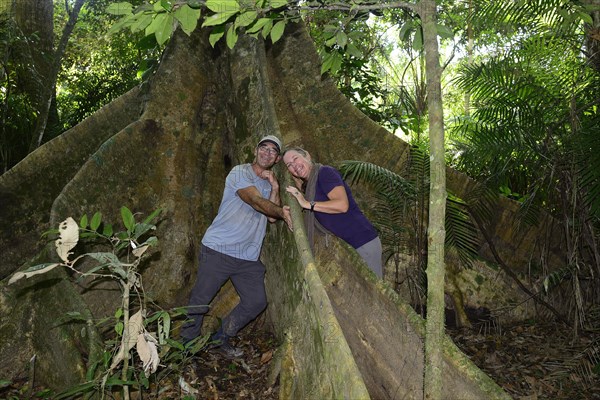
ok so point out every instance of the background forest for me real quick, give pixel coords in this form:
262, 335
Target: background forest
521, 96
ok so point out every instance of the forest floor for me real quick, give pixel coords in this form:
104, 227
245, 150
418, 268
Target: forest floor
535, 361
529, 361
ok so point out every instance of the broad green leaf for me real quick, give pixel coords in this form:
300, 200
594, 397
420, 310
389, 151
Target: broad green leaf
444, 32
91, 371
418, 40
162, 27
83, 222
405, 31
118, 271
120, 24
218, 19
277, 31
119, 327
327, 62
93, 270
328, 35
336, 63
355, 35
151, 241
154, 214
353, 50
260, 23
107, 230
96, 220
342, 39
105, 258
164, 325
278, 3
121, 8
231, 37
159, 7
585, 17
122, 236
223, 6
142, 22
216, 34
188, 18
245, 18
267, 28
330, 30
142, 8
127, 217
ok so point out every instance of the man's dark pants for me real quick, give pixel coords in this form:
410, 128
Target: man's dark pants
248, 278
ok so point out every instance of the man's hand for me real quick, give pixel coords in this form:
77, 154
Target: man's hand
270, 176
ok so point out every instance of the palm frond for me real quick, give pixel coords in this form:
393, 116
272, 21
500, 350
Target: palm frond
537, 16
587, 160
461, 233
396, 196
381, 179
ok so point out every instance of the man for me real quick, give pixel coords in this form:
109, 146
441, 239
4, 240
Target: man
232, 243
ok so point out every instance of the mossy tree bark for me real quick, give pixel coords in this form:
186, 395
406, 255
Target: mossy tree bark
437, 208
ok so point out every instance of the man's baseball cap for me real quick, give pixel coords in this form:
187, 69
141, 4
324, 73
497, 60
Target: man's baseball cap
272, 139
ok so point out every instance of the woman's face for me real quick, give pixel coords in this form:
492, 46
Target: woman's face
298, 165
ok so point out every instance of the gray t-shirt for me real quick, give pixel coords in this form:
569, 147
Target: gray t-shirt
238, 229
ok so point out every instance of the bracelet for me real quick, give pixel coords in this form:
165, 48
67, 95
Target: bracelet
312, 206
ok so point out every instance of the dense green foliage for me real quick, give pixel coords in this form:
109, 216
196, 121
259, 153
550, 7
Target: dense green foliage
96, 69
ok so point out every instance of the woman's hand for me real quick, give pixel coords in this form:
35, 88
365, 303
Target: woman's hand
298, 195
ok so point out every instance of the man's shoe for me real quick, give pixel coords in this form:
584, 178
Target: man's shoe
229, 351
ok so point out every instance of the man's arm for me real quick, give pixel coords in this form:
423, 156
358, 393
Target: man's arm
274, 197
268, 207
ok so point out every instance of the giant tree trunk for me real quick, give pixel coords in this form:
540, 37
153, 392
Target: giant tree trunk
35, 20
48, 86
169, 144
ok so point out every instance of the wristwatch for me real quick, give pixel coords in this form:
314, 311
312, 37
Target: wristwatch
312, 206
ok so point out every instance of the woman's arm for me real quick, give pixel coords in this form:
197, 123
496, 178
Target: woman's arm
337, 203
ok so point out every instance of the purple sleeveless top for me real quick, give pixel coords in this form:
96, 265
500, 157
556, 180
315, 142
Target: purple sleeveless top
351, 226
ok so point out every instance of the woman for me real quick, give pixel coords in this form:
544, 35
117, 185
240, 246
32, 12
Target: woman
321, 190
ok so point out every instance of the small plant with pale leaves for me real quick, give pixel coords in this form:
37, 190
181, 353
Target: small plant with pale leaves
131, 246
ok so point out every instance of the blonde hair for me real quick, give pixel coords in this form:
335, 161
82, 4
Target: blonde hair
299, 150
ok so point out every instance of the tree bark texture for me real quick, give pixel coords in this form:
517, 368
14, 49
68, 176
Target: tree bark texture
169, 144
48, 86
35, 20
436, 232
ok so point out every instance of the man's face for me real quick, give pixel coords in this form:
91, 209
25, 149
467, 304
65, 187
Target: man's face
267, 155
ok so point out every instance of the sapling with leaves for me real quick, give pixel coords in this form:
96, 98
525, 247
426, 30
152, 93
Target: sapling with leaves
128, 249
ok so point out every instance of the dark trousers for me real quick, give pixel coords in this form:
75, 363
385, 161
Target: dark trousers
248, 278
